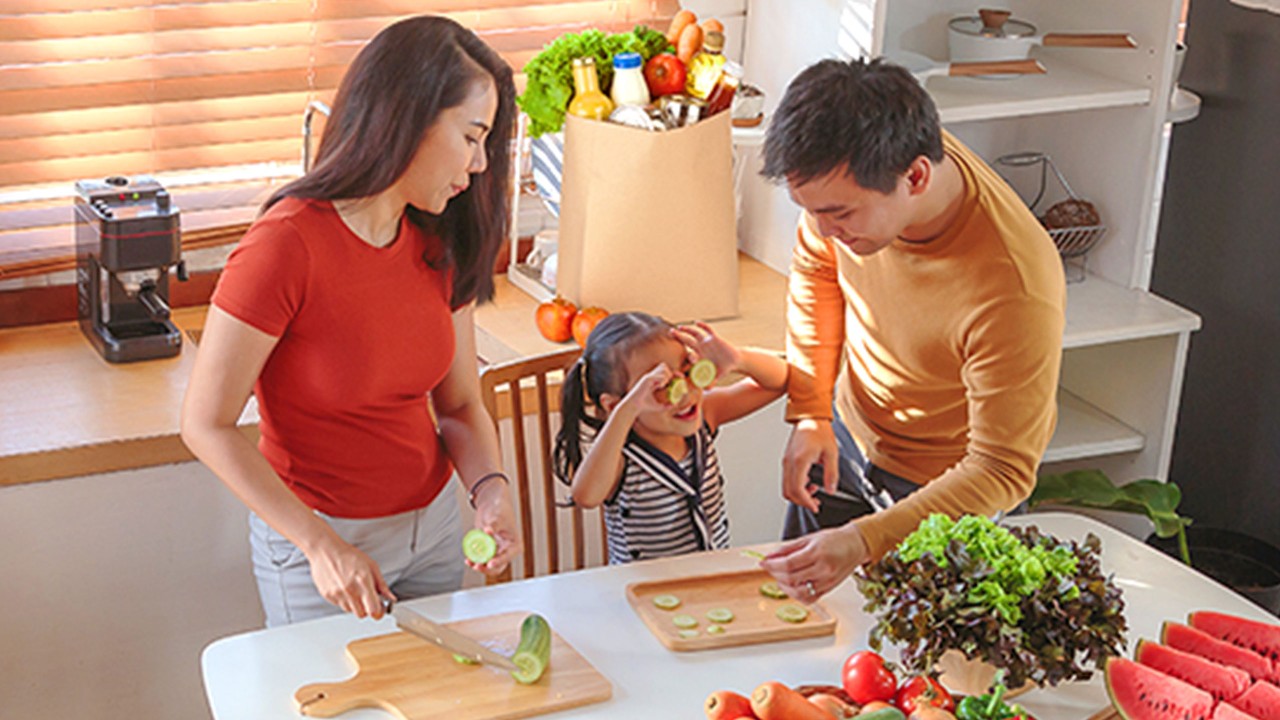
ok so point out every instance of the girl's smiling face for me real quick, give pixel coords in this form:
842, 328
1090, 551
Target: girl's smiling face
682, 418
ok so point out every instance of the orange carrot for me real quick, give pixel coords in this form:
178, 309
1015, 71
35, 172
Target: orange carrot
727, 705
690, 42
712, 25
682, 19
775, 701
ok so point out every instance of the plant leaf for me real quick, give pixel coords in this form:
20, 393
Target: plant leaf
1093, 489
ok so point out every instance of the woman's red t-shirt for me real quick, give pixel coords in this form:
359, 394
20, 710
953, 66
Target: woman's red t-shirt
364, 334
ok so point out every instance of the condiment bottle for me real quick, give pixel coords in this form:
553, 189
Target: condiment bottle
629, 87
588, 102
704, 67
721, 96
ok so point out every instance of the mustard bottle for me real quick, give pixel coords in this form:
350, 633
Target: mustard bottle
705, 66
588, 102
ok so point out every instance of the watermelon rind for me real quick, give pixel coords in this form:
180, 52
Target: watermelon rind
1229, 712
1262, 701
1197, 642
1260, 637
1141, 693
1221, 681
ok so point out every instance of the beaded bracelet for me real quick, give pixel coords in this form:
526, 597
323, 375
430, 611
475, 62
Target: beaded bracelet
471, 494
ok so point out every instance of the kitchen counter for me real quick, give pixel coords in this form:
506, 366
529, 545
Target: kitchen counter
69, 413
253, 676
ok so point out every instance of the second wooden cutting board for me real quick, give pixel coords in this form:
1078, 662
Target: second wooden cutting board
415, 680
755, 618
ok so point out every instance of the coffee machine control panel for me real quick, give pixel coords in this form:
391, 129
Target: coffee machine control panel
118, 198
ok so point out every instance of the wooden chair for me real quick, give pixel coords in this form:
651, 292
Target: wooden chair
508, 395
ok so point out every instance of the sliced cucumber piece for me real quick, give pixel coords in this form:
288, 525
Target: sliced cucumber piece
702, 373
715, 630
533, 654
479, 546
688, 634
685, 621
676, 390
771, 589
720, 615
464, 660
755, 554
792, 613
666, 602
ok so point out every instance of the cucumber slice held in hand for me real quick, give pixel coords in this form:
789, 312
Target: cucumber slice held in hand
702, 373
676, 390
479, 546
533, 654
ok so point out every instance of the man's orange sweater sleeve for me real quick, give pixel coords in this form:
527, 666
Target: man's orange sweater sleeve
815, 326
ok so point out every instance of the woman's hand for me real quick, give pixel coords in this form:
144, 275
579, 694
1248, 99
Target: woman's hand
705, 343
497, 516
811, 566
348, 578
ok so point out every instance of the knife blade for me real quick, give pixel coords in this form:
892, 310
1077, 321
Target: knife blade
455, 642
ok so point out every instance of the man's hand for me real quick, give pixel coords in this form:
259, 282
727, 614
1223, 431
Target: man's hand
811, 566
812, 442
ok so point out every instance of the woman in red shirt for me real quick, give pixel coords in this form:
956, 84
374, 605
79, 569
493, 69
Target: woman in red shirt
347, 311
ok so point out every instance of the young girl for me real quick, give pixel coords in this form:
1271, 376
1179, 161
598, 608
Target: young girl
647, 452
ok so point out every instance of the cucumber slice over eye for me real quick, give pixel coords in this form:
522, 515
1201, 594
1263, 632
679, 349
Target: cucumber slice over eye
479, 546
791, 613
666, 602
685, 621
772, 590
720, 615
702, 373
676, 390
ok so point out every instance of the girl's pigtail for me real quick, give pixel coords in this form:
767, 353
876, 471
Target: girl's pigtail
568, 452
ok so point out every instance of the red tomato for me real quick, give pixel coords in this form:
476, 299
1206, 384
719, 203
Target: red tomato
922, 690
664, 74
555, 319
865, 678
585, 321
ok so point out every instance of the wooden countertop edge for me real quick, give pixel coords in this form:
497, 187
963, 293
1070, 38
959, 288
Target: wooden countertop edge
113, 456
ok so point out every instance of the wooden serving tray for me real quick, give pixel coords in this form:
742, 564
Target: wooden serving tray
754, 619
415, 680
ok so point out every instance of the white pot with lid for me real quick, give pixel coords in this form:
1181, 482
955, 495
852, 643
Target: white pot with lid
993, 35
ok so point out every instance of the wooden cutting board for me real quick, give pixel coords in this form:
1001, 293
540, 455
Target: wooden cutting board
415, 680
754, 619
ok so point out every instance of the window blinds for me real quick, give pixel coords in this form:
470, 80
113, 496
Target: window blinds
207, 95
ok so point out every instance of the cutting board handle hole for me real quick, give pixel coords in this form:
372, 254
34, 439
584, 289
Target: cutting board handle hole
302, 705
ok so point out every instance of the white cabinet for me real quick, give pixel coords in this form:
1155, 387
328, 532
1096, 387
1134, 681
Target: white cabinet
1101, 115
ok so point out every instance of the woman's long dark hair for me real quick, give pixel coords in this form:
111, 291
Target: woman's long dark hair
394, 90
601, 369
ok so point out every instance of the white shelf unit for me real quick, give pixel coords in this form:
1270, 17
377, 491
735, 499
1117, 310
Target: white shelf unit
1102, 116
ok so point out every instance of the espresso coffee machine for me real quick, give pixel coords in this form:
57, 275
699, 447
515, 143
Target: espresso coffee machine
127, 238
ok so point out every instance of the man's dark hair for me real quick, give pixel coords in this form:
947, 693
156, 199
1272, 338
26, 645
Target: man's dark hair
871, 116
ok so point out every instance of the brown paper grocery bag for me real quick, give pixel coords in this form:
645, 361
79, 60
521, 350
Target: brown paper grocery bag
647, 219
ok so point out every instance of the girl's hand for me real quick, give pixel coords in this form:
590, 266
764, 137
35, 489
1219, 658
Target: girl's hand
496, 516
648, 393
705, 343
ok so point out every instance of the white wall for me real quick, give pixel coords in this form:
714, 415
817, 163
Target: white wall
111, 585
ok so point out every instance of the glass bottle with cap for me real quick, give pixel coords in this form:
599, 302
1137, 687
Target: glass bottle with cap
588, 102
705, 65
629, 87
727, 83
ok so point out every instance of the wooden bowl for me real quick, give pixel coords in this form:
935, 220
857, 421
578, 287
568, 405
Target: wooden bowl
964, 676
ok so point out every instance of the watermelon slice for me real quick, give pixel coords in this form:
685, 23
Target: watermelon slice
1260, 637
1228, 712
1142, 693
1262, 701
1220, 681
1196, 642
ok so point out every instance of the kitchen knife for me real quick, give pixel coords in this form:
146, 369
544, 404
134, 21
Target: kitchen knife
451, 640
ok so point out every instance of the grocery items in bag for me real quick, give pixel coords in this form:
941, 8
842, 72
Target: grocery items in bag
588, 101
705, 66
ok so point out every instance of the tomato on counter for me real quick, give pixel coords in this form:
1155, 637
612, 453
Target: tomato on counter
920, 691
866, 678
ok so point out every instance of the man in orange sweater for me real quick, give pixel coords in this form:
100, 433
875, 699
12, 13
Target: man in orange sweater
924, 323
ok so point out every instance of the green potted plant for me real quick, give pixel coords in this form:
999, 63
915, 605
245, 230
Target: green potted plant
1158, 501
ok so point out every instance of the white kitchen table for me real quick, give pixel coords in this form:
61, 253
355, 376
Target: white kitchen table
253, 676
